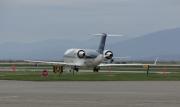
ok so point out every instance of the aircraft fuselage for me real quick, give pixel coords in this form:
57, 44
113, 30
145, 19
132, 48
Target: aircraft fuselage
83, 57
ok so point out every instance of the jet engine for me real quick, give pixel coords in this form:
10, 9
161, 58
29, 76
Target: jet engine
81, 54
108, 54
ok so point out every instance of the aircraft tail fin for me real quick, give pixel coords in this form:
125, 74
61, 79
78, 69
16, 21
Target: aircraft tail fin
102, 43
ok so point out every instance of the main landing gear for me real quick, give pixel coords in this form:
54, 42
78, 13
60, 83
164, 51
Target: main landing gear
96, 69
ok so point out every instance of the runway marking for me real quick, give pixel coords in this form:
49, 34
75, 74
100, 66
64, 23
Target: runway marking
7, 97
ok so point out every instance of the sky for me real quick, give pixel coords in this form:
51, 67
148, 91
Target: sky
38, 20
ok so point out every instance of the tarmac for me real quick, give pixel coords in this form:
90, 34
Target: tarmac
90, 94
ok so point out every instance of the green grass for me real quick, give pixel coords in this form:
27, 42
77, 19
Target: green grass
89, 76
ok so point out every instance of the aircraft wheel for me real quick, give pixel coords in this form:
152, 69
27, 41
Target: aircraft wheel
76, 69
96, 69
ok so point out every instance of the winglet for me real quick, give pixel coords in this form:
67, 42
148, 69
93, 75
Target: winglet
155, 62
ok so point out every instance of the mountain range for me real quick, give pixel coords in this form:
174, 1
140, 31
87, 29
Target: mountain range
163, 44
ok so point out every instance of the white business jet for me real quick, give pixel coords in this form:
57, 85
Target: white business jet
77, 58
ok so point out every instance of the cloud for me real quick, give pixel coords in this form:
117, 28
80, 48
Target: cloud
44, 19
69, 3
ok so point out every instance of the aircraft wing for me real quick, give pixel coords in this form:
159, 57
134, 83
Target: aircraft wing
133, 64
49, 62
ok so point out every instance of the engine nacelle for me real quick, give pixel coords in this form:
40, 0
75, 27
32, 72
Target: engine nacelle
108, 54
81, 54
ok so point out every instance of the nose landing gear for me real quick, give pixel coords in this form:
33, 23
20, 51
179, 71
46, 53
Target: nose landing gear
74, 68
